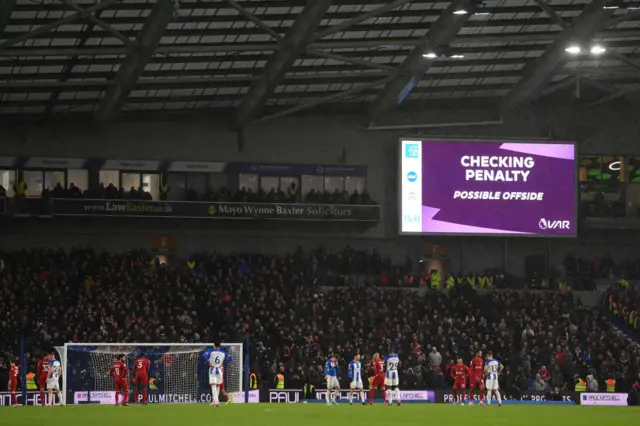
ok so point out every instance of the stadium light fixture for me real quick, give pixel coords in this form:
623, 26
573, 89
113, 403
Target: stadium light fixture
574, 49
456, 56
460, 11
597, 49
430, 55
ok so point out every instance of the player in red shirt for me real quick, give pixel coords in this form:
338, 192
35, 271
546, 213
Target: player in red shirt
459, 372
476, 382
43, 374
378, 379
222, 391
141, 367
14, 373
119, 373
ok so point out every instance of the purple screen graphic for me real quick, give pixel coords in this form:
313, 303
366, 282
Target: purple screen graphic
498, 188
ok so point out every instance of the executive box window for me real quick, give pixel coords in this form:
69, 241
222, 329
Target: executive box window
109, 177
39, 180
248, 181
79, 178
7, 179
312, 183
355, 184
149, 182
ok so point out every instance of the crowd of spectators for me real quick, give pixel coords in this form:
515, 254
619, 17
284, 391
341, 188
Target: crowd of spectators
82, 295
286, 195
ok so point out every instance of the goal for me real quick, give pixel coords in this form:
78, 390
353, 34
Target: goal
178, 372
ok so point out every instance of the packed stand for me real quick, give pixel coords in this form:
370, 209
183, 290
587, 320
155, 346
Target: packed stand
242, 195
623, 303
81, 296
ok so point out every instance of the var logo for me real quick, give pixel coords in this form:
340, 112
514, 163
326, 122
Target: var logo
412, 176
553, 224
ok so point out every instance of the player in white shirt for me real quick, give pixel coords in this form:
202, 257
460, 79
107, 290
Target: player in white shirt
53, 379
392, 378
217, 359
492, 370
355, 374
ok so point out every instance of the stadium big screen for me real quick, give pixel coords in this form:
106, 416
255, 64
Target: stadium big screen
488, 188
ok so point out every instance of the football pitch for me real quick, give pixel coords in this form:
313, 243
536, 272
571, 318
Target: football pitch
317, 415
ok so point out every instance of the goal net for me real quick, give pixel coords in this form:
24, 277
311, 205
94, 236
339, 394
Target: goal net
179, 373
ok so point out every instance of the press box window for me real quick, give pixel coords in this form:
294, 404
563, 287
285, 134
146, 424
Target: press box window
109, 177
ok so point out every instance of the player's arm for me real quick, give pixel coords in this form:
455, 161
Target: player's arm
350, 372
227, 359
500, 367
326, 370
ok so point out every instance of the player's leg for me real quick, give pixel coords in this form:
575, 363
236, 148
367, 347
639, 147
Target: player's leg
362, 393
398, 393
125, 389
117, 387
351, 391
43, 389
454, 391
498, 396
481, 388
372, 389
388, 389
489, 389
50, 386
462, 392
136, 393
225, 394
336, 391
212, 383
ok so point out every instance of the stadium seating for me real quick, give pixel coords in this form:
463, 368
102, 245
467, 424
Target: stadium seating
52, 297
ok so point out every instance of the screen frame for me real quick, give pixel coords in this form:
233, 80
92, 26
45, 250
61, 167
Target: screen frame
576, 196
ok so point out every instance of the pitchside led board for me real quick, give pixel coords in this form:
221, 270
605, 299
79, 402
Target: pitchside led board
488, 188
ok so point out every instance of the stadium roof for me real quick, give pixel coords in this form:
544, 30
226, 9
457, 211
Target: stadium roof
111, 57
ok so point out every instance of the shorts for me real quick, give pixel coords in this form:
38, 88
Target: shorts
215, 379
332, 382
141, 381
377, 382
42, 382
13, 385
492, 384
392, 380
356, 384
53, 384
121, 385
459, 385
476, 383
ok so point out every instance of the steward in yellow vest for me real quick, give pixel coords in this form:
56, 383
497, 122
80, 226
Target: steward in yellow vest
253, 381
581, 386
163, 188
279, 381
450, 283
611, 385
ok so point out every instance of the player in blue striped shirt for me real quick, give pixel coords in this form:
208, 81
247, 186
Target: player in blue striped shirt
355, 374
492, 370
331, 376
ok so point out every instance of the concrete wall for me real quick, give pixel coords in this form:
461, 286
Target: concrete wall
610, 129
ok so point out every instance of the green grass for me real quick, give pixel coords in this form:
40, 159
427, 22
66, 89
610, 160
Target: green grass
317, 415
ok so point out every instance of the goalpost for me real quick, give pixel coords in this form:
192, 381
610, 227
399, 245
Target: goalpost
178, 372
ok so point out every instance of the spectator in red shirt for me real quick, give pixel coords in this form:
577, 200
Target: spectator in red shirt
544, 374
559, 355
